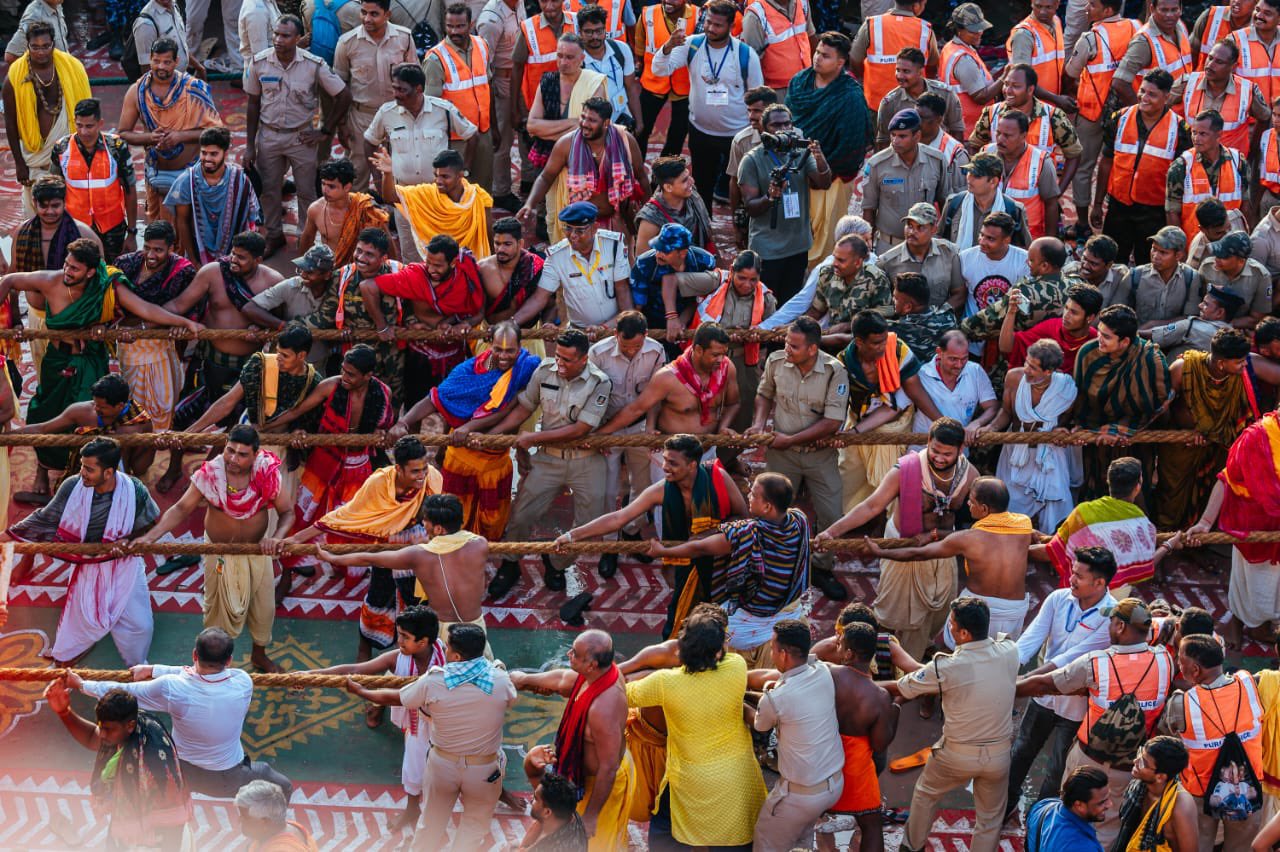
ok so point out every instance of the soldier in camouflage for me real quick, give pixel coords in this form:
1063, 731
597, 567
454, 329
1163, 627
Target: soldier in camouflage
916, 324
849, 285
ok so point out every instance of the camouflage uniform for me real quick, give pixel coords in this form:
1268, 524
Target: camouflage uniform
390, 367
921, 331
870, 291
1064, 133
1046, 294
1174, 180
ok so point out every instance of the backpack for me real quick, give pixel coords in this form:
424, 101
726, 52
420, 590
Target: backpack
1233, 792
424, 38
1122, 728
325, 29
129, 62
744, 55
1188, 276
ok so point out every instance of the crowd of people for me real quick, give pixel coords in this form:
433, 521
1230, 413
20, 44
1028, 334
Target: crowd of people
969, 297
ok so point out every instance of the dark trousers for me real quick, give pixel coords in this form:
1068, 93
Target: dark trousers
225, 783
650, 107
785, 276
1040, 727
113, 240
1131, 226
708, 155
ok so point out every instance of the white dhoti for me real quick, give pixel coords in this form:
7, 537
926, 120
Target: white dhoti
1007, 617
413, 768
154, 374
1253, 592
913, 598
106, 597
750, 635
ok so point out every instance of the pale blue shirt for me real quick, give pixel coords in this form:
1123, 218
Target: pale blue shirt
1066, 633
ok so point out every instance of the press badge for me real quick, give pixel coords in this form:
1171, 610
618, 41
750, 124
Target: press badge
791, 204
717, 96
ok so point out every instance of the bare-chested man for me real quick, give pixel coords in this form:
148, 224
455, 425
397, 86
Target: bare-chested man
339, 215
995, 553
929, 486
590, 748
237, 488
705, 496
696, 394
510, 275
228, 284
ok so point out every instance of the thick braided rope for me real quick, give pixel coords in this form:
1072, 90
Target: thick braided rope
260, 679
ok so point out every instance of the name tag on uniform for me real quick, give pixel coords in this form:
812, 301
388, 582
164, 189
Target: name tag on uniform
892, 181
717, 96
549, 387
399, 127
791, 205
575, 274
271, 79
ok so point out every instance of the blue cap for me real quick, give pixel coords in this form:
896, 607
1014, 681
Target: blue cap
579, 213
907, 119
672, 237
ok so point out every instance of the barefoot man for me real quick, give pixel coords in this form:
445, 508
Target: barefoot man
913, 599
995, 554
237, 488
449, 567
590, 748
696, 394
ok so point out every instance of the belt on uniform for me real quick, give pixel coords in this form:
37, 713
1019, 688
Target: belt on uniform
287, 129
469, 759
365, 108
809, 789
563, 453
995, 748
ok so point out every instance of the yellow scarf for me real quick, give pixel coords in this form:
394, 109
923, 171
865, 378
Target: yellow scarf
1004, 523
443, 544
375, 512
75, 88
431, 212
1269, 696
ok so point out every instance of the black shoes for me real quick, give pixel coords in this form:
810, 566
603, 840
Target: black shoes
505, 580
552, 576
830, 586
571, 611
608, 565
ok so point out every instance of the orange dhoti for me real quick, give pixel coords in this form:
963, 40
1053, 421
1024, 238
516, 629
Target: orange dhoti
482, 481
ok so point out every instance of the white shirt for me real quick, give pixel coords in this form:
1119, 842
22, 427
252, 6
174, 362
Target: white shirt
415, 140
802, 706
163, 23
711, 71
1066, 633
256, 23
630, 376
615, 73
208, 710
972, 389
589, 283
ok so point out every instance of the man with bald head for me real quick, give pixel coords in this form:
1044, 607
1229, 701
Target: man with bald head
590, 747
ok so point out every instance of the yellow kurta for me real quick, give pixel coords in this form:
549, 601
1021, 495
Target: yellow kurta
714, 779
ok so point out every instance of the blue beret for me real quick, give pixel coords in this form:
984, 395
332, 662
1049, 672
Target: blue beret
579, 213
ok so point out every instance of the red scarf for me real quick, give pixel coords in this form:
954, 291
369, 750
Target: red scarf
688, 376
570, 737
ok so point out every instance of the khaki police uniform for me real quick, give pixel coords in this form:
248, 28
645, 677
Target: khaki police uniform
583, 399
586, 287
899, 99
365, 66
498, 26
800, 401
480, 172
975, 686
289, 96
940, 267
892, 187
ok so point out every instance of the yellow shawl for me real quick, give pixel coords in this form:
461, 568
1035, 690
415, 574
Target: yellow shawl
441, 544
1004, 523
375, 512
75, 88
431, 212
1269, 696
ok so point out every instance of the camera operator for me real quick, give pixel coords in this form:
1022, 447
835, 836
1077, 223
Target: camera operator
901, 175
775, 178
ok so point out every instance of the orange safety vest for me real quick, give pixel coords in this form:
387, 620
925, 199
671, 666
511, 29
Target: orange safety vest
1147, 674
1234, 109
1208, 716
655, 36
1047, 54
786, 52
1255, 64
952, 53
1112, 39
540, 42
886, 35
711, 309
1174, 58
1216, 29
613, 9
94, 193
467, 86
1138, 171
1040, 133
947, 145
1195, 187
1023, 185
1269, 161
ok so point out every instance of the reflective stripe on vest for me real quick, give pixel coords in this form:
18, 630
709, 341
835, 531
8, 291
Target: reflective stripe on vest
1269, 161
1120, 672
1024, 185
1112, 39
952, 54
786, 51
1047, 54
1216, 28
467, 87
1234, 109
888, 34
1173, 58
613, 9
1237, 710
655, 36
947, 145
540, 43
94, 193
1138, 171
1255, 64
1196, 188
1039, 133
